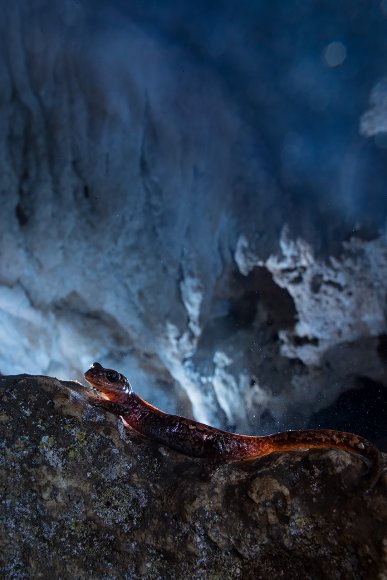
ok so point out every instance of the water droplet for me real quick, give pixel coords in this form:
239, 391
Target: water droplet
334, 54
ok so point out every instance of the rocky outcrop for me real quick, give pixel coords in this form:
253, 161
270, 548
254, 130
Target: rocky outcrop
83, 498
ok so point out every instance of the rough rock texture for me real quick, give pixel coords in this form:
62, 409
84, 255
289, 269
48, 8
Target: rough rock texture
82, 498
341, 306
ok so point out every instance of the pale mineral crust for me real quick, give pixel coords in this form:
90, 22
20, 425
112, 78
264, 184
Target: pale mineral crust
83, 498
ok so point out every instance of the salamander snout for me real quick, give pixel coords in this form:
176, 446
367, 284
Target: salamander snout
107, 381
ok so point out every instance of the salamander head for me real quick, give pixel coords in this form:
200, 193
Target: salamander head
108, 382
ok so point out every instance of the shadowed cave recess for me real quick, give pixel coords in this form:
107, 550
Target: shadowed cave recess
196, 196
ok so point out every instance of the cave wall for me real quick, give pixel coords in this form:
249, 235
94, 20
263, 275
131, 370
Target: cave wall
145, 220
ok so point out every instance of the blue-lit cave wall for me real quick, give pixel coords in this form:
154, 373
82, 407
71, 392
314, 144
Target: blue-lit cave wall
195, 193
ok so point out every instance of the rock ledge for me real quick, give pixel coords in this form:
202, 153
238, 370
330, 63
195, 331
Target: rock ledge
83, 498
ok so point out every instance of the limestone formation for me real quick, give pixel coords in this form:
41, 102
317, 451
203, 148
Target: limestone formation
130, 174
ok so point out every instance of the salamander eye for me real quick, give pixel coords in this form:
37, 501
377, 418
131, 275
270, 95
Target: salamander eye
112, 376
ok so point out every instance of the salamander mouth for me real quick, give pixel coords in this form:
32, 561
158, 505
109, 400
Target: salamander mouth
95, 386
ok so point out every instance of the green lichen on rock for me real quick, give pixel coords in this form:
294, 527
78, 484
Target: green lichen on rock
85, 499
81, 438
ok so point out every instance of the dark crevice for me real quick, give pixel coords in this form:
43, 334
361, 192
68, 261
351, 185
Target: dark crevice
303, 340
276, 301
21, 215
316, 283
361, 410
253, 306
243, 310
382, 347
259, 288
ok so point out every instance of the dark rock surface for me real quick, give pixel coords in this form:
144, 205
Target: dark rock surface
83, 498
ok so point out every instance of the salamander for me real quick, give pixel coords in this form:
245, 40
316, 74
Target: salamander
199, 440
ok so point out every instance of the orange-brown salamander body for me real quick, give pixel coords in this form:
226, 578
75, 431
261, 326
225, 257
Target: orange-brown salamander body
200, 440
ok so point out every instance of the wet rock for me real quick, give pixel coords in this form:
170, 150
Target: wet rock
84, 498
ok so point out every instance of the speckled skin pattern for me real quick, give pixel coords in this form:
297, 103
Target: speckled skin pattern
200, 440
